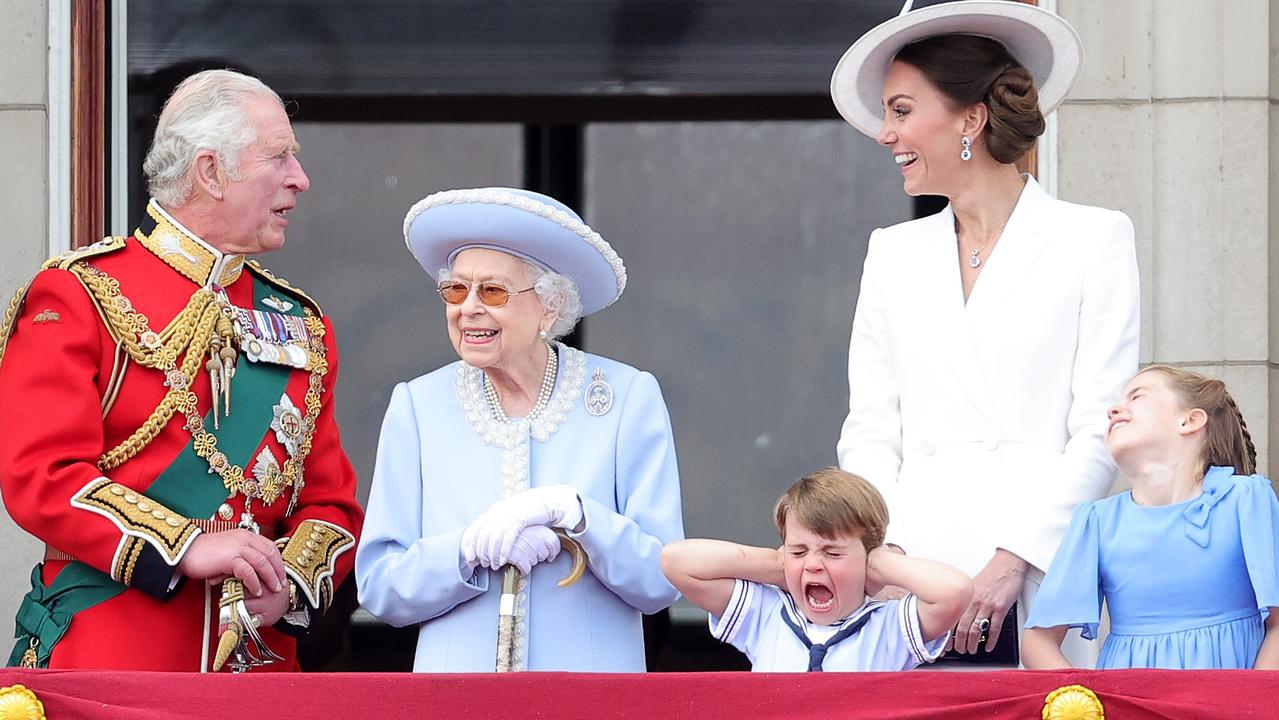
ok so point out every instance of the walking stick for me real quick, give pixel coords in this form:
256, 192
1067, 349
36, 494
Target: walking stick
506, 604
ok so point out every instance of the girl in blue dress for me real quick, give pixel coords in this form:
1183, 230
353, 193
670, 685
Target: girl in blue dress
1187, 560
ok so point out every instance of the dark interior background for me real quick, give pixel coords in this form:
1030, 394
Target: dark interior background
697, 136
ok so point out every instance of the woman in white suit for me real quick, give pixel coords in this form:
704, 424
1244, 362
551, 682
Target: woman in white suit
989, 338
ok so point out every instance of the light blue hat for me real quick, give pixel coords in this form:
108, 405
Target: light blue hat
526, 224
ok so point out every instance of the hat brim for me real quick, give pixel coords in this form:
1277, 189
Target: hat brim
1043, 42
522, 223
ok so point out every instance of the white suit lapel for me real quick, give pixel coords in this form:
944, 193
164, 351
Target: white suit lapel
947, 297
1024, 238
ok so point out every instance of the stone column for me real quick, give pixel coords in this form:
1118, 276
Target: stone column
24, 205
1171, 123
1271, 218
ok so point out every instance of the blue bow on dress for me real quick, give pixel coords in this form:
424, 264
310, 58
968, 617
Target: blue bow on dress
1199, 511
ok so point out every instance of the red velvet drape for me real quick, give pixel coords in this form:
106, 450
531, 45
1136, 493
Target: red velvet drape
1127, 694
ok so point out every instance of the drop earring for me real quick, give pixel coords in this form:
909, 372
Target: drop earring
966, 154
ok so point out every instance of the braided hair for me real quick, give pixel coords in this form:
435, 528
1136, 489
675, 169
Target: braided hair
1227, 441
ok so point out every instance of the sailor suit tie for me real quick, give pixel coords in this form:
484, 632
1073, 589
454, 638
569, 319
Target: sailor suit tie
817, 651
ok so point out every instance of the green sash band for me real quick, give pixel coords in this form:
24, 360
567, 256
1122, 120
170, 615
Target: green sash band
255, 391
45, 613
187, 487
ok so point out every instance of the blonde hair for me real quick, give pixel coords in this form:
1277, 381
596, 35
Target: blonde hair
1227, 441
832, 502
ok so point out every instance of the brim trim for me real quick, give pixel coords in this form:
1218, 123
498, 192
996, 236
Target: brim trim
584, 255
1043, 42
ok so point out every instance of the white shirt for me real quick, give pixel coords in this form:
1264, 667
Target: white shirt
891, 639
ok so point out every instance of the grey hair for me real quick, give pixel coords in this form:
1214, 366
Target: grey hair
557, 292
554, 291
205, 112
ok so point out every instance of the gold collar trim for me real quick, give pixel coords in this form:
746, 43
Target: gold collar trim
185, 252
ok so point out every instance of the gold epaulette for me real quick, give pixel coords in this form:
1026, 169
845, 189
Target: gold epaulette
284, 285
71, 257
61, 262
11, 316
72, 262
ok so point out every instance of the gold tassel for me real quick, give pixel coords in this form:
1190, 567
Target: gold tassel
226, 644
29, 658
228, 621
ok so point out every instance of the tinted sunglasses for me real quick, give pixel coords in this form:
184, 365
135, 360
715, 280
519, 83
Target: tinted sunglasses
454, 292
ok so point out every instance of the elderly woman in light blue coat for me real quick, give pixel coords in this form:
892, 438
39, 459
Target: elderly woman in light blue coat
480, 461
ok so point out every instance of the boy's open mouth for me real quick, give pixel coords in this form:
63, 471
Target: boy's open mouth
819, 597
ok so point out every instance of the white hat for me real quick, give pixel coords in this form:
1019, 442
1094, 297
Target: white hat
523, 223
1044, 43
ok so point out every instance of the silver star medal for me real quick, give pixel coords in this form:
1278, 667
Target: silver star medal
287, 425
265, 471
265, 467
599, 394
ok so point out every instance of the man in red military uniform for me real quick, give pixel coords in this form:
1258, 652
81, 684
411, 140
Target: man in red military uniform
166, 415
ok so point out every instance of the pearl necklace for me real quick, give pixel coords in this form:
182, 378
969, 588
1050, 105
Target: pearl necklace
543, 395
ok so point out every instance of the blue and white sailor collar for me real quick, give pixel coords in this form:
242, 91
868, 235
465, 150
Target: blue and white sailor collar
791, 608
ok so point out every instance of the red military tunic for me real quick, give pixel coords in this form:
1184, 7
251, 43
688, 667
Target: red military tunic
72, 390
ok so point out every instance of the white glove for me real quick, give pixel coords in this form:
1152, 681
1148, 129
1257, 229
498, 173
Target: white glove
489, 538
536, 544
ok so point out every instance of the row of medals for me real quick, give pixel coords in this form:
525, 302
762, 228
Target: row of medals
286, 419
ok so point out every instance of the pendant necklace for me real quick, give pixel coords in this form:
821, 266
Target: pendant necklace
974, 257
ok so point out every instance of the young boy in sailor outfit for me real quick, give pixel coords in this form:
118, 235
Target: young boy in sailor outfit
804, 606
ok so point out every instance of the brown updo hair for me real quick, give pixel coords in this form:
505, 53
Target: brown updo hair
970, 69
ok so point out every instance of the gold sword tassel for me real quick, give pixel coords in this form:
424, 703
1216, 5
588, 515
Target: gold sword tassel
240, 647
230, 629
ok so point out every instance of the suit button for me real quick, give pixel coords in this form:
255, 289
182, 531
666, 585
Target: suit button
926, 448
991, 445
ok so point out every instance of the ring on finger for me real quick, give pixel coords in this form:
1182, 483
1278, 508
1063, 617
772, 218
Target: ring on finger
982, 625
